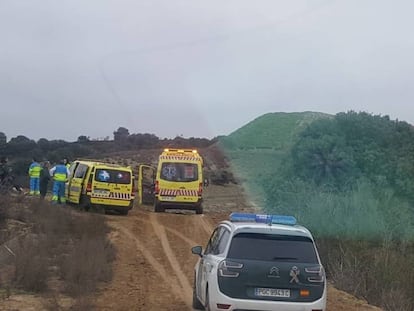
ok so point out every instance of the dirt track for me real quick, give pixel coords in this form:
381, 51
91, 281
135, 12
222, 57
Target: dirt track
154, 267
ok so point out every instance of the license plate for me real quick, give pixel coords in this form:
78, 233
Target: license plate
272, 292
101, 192
167, 198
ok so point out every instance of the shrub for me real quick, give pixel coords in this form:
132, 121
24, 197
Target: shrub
365, 238
88, 263
31, 262
58, 242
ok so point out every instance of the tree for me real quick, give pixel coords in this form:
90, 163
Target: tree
3, 139
121, 134
83, 139
21, 144
324, 160
3, 142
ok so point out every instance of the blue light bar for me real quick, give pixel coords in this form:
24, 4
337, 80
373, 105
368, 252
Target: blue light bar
263, 218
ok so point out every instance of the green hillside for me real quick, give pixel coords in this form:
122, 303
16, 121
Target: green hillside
255, 150
270, 131
349, 178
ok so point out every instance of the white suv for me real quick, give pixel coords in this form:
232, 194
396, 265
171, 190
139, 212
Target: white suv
259, 262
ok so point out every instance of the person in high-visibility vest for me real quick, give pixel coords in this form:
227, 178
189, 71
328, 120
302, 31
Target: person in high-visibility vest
34, 174
66, 162
60, 174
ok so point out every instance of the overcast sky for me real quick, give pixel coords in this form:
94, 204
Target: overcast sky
198, 68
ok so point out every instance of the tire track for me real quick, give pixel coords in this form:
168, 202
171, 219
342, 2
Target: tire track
175, 232
208, 228
184, 282
156, 265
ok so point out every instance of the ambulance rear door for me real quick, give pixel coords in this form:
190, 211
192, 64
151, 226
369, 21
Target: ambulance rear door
77, 181
146, 181
179, 181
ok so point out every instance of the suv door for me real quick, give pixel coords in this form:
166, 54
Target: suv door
211, 258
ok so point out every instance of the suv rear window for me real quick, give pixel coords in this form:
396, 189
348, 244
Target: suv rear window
184, 172
113, 176
270, 247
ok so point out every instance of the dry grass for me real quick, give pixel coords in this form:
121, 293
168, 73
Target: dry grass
53, 250
380, 272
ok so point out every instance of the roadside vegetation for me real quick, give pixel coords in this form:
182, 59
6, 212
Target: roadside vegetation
350, 179
53, 251
20, 150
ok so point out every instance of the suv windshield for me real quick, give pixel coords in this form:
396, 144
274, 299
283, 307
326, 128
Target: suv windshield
269, 247
184, 172
113, 176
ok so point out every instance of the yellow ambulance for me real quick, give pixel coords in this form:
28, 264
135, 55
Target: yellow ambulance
93, 183
179, 180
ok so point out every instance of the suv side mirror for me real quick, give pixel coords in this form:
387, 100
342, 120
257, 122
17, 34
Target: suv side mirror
197, 250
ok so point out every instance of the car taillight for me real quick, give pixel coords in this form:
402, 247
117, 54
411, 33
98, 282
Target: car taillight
226, 269
318, 274
89, 184
200, 189
157, 187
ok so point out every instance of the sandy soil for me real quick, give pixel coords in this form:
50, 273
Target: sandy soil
154, 265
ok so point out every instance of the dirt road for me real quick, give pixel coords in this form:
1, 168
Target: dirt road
153, 269
154, 266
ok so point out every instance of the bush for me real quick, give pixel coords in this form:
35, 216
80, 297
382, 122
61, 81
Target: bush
222, 177
376, 271
31, 264
365, 238
57, 243
88, 263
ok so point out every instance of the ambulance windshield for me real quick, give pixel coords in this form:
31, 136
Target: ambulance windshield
183, 172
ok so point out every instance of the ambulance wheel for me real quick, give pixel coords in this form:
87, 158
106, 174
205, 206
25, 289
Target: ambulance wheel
123, 212
84, 203
158, 208
199, 209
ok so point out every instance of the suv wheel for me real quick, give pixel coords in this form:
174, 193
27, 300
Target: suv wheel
196, 303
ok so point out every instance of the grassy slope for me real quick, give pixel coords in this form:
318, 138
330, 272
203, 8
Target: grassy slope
272, 130
256, 149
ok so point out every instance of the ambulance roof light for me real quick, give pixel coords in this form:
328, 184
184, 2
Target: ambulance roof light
194, 151
263, 218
